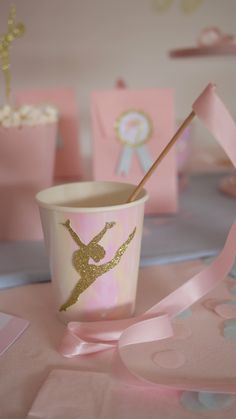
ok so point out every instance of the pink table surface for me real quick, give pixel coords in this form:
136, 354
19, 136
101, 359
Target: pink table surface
26, 365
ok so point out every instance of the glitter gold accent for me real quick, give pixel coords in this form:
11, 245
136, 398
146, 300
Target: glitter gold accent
80, 259
14, 30
162, 5
189, 6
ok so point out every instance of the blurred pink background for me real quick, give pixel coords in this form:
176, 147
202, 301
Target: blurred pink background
89, 44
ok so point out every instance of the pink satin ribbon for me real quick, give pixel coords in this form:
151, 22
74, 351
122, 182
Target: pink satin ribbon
155, 324
212, 112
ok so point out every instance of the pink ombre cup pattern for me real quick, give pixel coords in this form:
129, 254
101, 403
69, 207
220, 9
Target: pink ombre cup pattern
73, 216
27, 156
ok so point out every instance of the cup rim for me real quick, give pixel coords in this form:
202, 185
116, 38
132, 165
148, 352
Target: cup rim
58, 207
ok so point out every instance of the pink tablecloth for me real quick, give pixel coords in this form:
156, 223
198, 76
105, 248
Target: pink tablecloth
26, 365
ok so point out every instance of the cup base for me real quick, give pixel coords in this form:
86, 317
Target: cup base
119, 312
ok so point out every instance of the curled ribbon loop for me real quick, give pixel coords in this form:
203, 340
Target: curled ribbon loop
155, 324
91, 337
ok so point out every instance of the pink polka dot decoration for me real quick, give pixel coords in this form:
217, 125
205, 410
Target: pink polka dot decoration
226, 310
170, 359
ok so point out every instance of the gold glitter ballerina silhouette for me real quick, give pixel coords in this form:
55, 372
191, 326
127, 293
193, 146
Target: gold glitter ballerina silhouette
80, 260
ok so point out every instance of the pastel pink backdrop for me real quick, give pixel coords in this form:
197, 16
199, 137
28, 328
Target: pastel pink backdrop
26, 166
67, 160
106, 107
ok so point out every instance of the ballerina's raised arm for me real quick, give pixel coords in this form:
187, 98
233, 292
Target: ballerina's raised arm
100, 235
101, 269
95, 240
73, 234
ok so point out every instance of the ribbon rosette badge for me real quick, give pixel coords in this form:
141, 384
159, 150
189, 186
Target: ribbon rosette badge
133, 129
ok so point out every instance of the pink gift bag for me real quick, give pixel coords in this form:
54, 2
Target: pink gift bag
27, 157
67, 159
130, 129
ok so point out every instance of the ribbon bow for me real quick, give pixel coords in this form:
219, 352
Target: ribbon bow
153, 325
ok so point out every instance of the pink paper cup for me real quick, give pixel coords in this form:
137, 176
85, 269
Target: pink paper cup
93, 238
26, 166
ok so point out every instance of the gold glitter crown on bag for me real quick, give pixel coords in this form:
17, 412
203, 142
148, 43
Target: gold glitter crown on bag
14, 31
